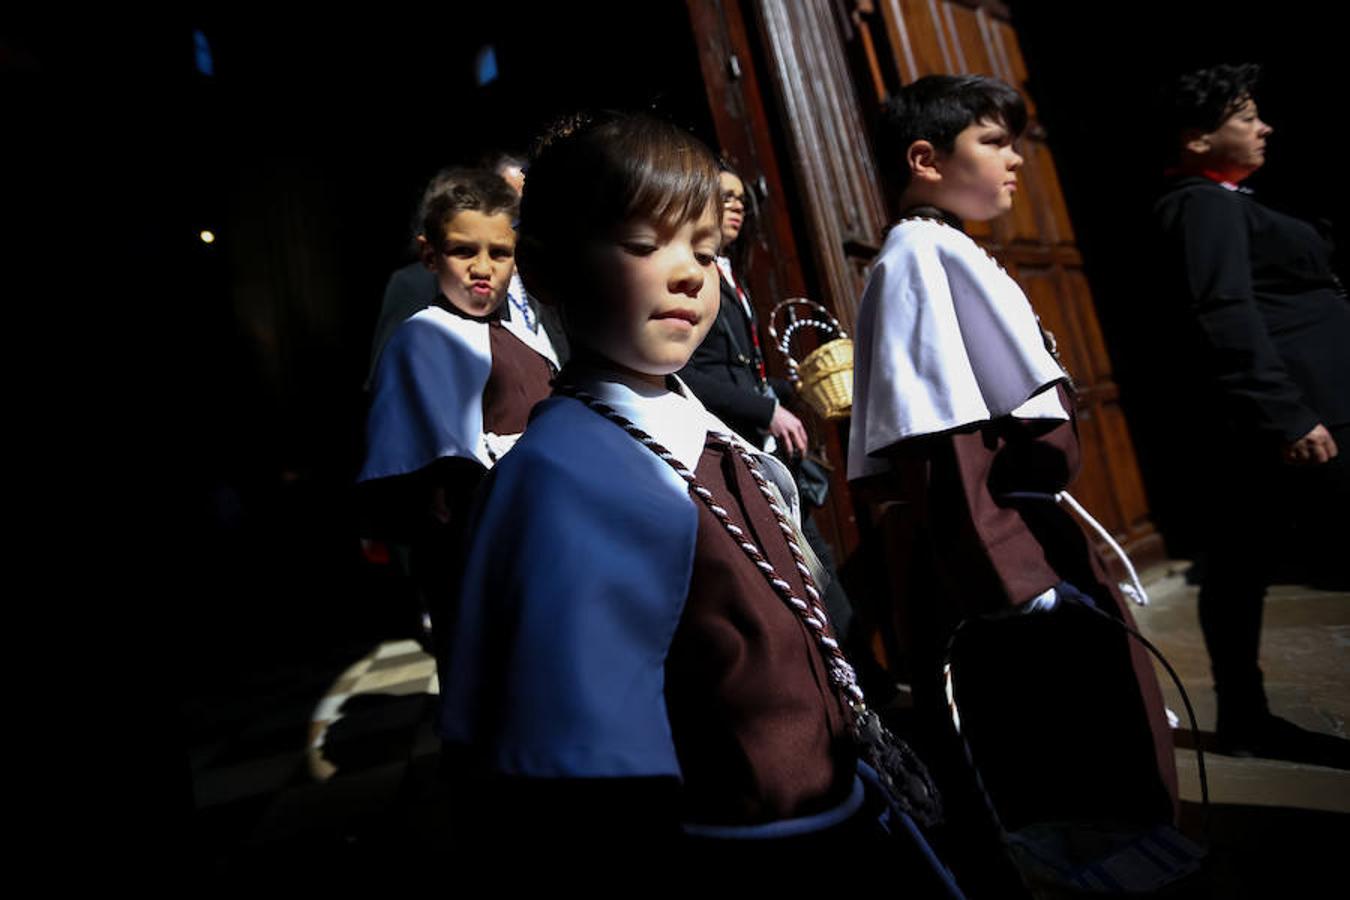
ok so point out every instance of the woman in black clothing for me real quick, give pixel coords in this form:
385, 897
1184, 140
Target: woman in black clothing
727, 371
728, 375
1266, 328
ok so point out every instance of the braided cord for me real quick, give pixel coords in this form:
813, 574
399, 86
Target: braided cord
841, 672
902, 774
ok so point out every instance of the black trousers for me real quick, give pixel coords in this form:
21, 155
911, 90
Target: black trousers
1266, 519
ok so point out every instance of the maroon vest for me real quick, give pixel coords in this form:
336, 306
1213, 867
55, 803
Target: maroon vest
519, 379
758, 729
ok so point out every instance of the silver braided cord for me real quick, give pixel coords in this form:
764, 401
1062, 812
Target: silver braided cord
902, 774
841, 672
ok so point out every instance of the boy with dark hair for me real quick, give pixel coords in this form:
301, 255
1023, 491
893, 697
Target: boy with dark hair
452, 387
412, 287
963, 438
937, 110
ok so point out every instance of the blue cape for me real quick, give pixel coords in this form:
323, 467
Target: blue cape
427, 398
578, 572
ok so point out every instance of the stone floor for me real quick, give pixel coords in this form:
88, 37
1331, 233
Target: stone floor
1278, 829
332, 766
1305, 655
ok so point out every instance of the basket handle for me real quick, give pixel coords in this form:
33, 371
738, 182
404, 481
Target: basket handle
829, 323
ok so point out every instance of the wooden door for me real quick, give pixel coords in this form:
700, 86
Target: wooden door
746, 112
827, 65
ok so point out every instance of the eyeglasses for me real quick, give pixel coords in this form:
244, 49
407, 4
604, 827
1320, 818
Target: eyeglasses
733, 200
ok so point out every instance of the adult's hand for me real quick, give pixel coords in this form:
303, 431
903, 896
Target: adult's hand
788, 431
1317, 446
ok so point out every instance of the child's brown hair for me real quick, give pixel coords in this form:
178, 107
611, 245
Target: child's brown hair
591, 174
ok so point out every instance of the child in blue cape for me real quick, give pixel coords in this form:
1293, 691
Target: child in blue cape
640, 660
453, 385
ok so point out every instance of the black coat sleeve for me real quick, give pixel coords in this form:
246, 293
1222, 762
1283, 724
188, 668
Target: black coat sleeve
727, 401
709, 375
782, 389
1208, 229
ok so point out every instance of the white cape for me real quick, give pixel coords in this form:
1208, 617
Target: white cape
945, 338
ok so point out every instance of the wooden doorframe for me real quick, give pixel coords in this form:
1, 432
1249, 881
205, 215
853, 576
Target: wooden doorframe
731, 62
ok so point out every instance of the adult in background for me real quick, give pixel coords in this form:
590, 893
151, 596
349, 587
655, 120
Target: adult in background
728, 376
1262, 327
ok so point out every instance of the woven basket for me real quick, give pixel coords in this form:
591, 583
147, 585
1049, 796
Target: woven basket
825, 377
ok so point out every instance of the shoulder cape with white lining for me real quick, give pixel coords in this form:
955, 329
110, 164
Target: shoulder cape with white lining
427, 395
945, 338
578, 572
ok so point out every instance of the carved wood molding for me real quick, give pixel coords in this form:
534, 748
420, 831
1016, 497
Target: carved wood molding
829, 142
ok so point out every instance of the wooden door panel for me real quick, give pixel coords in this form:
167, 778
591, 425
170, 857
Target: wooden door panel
832, 155
1088, 332
1093, 486
969, 38
916, 28
1012, 68
1049, 194
1128, 486
1022, 222
1042, 289
815, 112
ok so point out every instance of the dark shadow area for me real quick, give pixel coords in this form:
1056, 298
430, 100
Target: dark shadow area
211, 425
1269, 851
375, 729
384, 798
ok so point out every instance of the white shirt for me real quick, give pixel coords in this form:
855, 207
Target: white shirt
536, 338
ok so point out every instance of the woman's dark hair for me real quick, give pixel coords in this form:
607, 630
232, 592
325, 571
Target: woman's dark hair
1203, 99
936, 108
452, 191
591, 173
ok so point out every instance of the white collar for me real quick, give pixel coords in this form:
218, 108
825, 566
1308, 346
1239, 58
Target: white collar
676, 419
724, 266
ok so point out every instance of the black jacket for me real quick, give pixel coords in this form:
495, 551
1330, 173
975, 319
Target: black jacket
1264, 322
724, 372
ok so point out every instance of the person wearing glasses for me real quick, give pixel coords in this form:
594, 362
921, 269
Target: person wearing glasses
728, 376
727, 371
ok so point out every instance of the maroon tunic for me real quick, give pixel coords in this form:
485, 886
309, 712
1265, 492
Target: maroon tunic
519, 379
758, 729
957, 548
